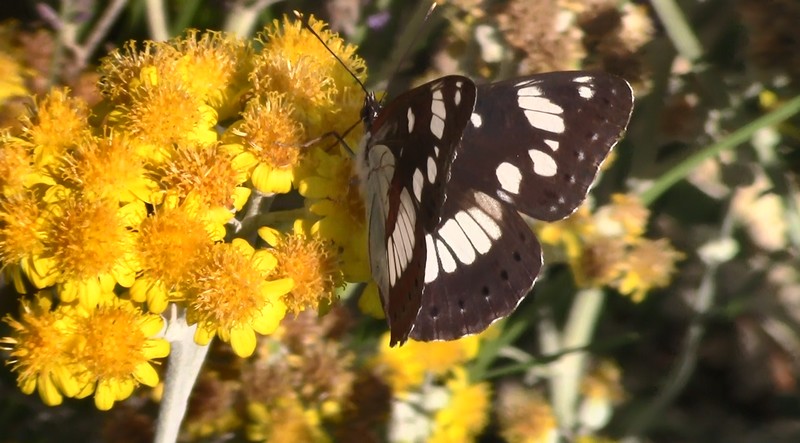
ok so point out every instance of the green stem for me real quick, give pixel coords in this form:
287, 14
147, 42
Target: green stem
244, 16
568, 372
185, 360
678, 29
681, 170
687, 360
157, 20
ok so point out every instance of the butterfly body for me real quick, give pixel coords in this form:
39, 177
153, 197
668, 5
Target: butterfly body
445, 170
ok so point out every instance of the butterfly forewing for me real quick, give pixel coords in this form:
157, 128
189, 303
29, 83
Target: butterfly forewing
537, 142
407, 159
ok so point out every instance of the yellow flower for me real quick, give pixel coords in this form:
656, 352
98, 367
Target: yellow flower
212, 67
602, 390
331, 191
408, 365
22, 231
116, 345
163, 115
525, 417
78, 242
12, 78
625, 217
215, 67
599, 263
650, 264
170, 244
309, 262
271, 138
103, 168
466, 413
41, 348
295, 62
370, 301
59, 121
231, 296
205, 180
607, 248
16, 168
568, 233
284, 421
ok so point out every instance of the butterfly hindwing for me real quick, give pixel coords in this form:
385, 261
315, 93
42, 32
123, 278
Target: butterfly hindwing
407, 162
481, 261
538, 141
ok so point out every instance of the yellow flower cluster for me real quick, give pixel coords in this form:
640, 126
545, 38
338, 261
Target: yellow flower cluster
73, 351
125, 208
525, 416
432, 390
608, 247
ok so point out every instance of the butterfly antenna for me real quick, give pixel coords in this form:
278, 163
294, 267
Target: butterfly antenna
314, 33
409, 46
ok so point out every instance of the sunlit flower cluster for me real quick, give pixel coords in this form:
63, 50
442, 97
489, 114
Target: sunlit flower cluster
433, 397
300, 381
525, 416
120, 210
607, 247
71, 351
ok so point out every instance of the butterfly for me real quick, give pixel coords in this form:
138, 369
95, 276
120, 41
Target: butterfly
446, 169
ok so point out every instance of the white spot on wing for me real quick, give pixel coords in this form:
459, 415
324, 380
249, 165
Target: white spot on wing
489, 226
457, 97
552, 144
431, 169
392, 269
475, 233
509, 177
476, 120
586, 92
432, 260
397, 250
438, 114
545, 122
526, 83
530, 90
448, 262
539, 104
583, 79
411, 120
438, 109
543, 163
457, 240
503, 196
540, 112
437, 126
489, 205
400, 246
403, 237
417, 184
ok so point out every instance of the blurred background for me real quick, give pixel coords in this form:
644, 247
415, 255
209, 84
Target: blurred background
694, 338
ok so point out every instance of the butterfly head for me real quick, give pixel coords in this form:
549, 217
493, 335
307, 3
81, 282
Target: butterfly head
370, 111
